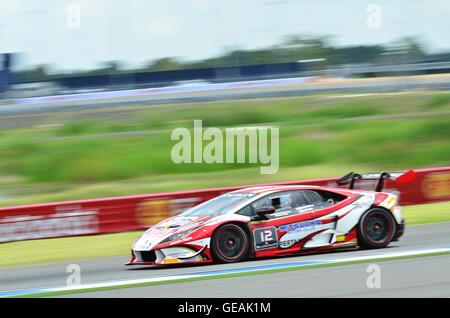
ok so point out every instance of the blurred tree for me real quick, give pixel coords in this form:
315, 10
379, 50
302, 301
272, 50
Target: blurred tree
292, 48
164, 64
404, 50
37, 73
359, 54
413, 47
308, 48
111, 66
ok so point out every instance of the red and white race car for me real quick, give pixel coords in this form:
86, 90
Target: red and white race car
274, 221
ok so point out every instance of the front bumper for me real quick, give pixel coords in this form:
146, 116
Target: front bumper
142, 257
172, 255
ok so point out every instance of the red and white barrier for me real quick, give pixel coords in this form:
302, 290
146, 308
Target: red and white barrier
107, 215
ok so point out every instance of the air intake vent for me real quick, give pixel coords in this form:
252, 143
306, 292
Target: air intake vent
148, 256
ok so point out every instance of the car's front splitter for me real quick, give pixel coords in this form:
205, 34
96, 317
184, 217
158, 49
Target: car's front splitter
171, 255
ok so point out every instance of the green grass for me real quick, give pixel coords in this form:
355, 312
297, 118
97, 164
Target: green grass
312, 131
55, 250
417, 143
175, 182
429, 213
438, 100
86, 247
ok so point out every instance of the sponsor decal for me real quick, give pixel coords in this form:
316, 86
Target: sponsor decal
298, 227
436, 185
152, 211
181, 253
181, 240
296, 232
265, 238
290, 240
391, 200
67, 221
170, 261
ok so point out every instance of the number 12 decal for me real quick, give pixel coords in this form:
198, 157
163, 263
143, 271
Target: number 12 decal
265, 238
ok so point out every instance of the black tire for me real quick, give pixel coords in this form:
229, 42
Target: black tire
230, 244
376, 228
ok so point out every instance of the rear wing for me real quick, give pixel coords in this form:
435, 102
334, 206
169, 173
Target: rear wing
398, 177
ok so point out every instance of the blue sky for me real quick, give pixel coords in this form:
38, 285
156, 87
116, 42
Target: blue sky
137, 31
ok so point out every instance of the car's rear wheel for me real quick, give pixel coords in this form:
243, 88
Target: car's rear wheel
376, 228
229, 244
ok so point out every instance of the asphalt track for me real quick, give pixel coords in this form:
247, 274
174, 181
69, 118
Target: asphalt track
413, 277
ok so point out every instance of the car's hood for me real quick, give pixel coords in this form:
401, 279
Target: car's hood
167, 228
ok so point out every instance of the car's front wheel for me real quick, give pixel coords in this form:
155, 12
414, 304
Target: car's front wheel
376, 228
230, 243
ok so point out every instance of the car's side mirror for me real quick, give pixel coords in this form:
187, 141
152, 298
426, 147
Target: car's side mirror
265, 210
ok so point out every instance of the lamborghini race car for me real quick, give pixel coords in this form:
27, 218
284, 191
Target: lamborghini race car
271, 221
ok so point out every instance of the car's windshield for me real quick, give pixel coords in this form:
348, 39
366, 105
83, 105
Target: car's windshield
219, 205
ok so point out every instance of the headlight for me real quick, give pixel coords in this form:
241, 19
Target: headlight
136, 240
178, 235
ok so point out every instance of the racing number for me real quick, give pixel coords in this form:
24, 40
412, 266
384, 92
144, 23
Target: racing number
265, 238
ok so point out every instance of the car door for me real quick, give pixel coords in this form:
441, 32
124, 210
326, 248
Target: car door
292, 224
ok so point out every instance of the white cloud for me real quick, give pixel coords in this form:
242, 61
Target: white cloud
162, 27
140, 30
